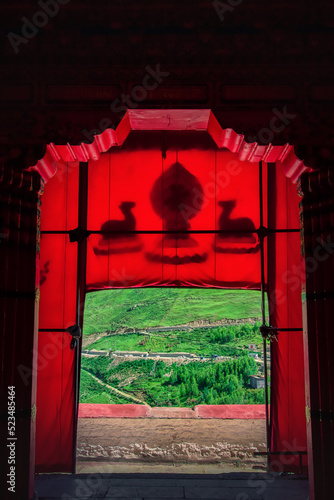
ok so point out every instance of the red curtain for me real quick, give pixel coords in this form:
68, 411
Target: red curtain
189, 190
55, 365
288, 422
152, 216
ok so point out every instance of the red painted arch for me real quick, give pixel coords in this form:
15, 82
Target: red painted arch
174, 119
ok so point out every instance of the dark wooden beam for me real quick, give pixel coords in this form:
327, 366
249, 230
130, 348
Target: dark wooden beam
18, 330
317, 190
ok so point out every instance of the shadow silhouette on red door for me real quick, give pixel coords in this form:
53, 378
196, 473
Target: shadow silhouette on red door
240, 230
118, 234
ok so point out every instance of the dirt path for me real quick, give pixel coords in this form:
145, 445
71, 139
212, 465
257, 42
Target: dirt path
112, 389
230, 443
202, 324
87, 340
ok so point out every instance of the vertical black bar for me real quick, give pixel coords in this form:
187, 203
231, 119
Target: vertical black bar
269, 256
263, 288
81, 288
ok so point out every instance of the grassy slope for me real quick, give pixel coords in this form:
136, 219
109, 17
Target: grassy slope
198, 341
110, 309
93, 392
151, 382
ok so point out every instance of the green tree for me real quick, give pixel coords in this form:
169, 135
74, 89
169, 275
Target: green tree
183, 391
194, 391
231, 384
176, 398
209, 399
174, 378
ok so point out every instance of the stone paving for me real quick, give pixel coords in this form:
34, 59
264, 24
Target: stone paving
235, 486
151, 459
165, 440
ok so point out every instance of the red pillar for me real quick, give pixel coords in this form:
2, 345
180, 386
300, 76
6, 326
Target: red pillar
19, 198
317, 218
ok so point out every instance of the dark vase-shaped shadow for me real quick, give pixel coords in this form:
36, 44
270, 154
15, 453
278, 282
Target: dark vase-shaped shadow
177, 197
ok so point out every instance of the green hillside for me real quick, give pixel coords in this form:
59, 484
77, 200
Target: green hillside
159, 384
93, 392
119, 319
108, 310
221, 340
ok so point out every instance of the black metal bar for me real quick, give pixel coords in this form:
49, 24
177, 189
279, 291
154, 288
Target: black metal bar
263, 309
270, 167
81, 286
55, 232
52, 330
284, 230
286, 329
206, 231
270, 332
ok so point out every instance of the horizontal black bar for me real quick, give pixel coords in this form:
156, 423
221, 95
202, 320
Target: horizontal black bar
284, 230
287, 329
208, 231
52, 330
55, 232
176, 231
261, 453
267, 331
275, 329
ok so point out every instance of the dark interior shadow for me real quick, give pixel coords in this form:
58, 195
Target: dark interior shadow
120, 232
243, 250
113, 228
175, 260
177, 197
236, 231
241, 229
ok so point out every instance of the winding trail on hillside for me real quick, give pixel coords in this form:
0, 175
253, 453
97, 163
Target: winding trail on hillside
199, 324
112, 389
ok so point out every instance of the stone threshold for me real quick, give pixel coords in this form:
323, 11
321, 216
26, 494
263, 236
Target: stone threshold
252, 412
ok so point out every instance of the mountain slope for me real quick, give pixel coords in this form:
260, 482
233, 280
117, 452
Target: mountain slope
149, 307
